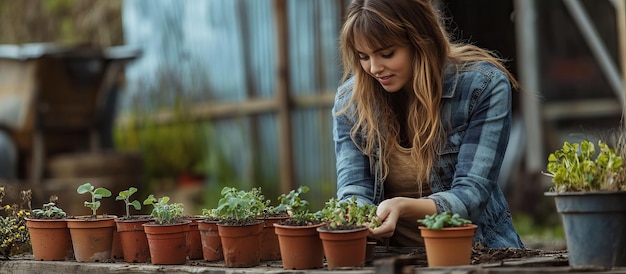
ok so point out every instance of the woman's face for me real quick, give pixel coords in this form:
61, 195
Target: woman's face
390, 66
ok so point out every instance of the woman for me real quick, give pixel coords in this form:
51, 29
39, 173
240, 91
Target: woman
421, 124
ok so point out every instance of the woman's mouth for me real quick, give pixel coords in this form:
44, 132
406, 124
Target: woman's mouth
384, 80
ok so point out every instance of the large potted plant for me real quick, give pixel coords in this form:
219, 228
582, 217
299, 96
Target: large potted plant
50, 238
133, 240
589, 195
92, 235
300, 244
239, 229
167, 233
447, 238
344, 236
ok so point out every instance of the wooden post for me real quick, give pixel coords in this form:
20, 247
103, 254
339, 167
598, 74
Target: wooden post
251, 90
620, 18
283, 98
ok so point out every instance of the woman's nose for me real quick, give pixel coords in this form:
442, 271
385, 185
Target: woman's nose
376, 66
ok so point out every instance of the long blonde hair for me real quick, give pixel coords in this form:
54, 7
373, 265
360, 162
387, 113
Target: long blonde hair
418, 25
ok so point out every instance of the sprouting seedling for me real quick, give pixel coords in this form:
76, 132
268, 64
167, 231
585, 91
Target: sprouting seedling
163, 212
444, 219
348, 213
96, 194
49, 210
125, 196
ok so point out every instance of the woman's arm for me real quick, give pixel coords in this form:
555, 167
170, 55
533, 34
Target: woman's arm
353, 167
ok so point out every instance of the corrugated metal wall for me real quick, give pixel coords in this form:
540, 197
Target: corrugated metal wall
225, 51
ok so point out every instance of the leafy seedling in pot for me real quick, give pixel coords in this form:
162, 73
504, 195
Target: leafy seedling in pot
49, 211
163, 212
125, 196
444, 219
96, 194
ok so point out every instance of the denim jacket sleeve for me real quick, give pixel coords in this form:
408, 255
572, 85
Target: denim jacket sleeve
477, 109
477, 106
354, 173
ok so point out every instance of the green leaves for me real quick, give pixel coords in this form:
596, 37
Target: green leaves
239, 205
444, 219
162, 211
49, 211
297, 207
125, 196
349, 214
574, 168
96, 193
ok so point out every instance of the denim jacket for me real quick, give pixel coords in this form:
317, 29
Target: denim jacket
476, 114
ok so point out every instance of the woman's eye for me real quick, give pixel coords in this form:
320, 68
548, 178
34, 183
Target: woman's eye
363, 58
388, 55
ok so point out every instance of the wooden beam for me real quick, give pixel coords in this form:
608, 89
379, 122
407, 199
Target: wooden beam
283, 98
587, 108
210, 111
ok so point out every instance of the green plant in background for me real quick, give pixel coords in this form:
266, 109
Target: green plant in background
163, 212
438, 221
96, 194
125, 196
348, 214
239, 207
49, 211
576, 167
171, 142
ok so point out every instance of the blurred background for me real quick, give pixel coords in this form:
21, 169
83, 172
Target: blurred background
181, 98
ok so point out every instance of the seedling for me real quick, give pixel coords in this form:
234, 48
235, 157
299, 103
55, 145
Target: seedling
298, 208
239, 206
348, 214
444, 219
163, 212
49, 211
211, 214
96, 194
125, 196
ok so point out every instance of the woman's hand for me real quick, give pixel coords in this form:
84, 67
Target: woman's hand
391, 210
388, 213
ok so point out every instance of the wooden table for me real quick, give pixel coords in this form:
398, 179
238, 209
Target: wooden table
386, 260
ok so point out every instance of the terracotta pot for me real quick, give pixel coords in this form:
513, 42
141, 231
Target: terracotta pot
168, 243
270, 249
370, 251
241, 244
344, 248
133, 240
300, 246
211, 241
50, 239
450, 246
92, 238
116, 249
194, 241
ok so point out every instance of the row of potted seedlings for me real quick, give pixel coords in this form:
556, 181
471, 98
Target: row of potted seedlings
93, 238
250, 230
243, 230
